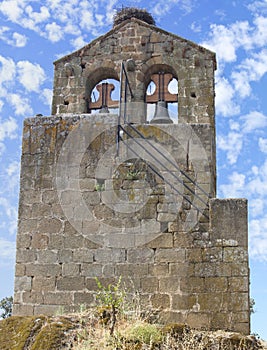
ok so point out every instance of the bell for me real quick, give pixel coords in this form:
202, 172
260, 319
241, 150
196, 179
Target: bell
161, 115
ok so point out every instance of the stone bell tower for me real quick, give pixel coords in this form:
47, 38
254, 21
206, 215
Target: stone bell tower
120, 181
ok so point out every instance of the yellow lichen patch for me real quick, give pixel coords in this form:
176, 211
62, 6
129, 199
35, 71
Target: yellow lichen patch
33, 332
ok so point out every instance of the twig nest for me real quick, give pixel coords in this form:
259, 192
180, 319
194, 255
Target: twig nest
130, 12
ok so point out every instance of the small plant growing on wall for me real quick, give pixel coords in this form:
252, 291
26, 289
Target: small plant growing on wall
99, 187
110, 300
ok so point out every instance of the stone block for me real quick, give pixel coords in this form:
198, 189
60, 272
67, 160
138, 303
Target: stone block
65, 255
140, 255
70, 283
23, 241
51, 225
91, 270
216, 284
22, 310
192, 285
20, 270
32, 298
149, 285
39, 241
228, 220
43, 270
166, 217
26, 255
160, 301
47, 256
198, 320
131, 270
56, 241
110, 255
43, 284
71, 269
83, 298
83, 255
169, 255
181, 302
48, 309
235, 254
23, 283
179, 269
27, 226
158, 269
238, 284
169, 285
164, 240
58, 298
169, 317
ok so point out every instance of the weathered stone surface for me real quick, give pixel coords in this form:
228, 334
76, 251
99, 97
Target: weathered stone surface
89, 211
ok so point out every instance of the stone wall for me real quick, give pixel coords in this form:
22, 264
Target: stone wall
152, 50
144, 208
86, 211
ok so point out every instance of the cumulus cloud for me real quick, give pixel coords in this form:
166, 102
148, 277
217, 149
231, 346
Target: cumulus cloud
235, 186
7, 250
14, 39
224, 101
263, 145
21, 105
53, 32
253, 121
231, 144
258, 238
8, 129
30, 75
46, 96
161, 7
7, 71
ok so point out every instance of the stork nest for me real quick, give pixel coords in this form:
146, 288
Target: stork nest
130, 12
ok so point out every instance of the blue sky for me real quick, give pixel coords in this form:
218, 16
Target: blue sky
33, 34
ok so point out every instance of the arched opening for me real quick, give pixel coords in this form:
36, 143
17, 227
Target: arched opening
102, 91
161, 97
105, 97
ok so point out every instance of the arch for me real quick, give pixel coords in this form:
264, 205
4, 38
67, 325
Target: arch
155, 74
94, 78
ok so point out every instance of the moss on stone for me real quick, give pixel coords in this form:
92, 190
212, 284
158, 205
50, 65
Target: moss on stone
34, 332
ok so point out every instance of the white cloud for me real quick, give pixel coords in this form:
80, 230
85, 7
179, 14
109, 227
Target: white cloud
161, 7
54, 32
78, 42
235, 188
256, 206
12, 9
7, 70
11, 214
263, 145
258, 238
253, 121
7, 250
21, 105
231, 144
14, 39
30, 75
224, 99
8, 129
46, 96
19, 40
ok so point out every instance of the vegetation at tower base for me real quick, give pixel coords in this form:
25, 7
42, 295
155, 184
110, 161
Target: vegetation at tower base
115, 322
86, 331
